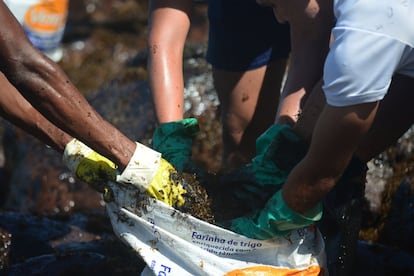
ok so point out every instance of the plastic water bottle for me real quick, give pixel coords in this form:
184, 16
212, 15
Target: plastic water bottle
44, 23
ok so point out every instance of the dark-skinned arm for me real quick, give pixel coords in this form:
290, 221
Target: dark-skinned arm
48, 89
18, 111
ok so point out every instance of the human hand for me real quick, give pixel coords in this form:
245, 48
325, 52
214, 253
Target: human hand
274, 220
174, 140
146, 170
279, 149
88, 165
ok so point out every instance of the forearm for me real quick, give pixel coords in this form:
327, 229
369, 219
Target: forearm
48, 89
168, 29
21, 113
310, 36
166, 83
310, 112
325, 161
303, 74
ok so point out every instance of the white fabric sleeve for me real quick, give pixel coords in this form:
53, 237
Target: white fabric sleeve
360, 66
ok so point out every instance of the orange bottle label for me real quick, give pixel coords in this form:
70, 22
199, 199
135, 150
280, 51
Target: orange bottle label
46, 16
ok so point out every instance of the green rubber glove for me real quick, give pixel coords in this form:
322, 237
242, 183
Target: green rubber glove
146, 170
174, 140
279, 149
275, 219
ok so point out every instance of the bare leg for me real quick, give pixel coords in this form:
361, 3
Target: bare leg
248, 106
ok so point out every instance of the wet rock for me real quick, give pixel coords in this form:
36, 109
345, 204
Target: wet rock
39, 183
379, 260
5, 242
389, 192
49, 228
400, 216
65, 245
104, 55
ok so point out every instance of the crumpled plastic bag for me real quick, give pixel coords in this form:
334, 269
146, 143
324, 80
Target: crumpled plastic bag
175, 243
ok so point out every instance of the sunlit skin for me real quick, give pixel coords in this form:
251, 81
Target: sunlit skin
340, 132
169, 24
39, 97
307, 184
247, 98
311, 23
336, 137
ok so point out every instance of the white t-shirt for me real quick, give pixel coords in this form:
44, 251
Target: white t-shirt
373, 40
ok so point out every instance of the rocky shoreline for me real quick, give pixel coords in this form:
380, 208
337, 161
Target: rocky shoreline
53, 224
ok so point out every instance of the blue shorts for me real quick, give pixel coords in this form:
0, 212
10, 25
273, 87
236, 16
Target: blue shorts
244, 35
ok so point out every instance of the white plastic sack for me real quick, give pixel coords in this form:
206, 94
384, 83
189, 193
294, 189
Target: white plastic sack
174, 243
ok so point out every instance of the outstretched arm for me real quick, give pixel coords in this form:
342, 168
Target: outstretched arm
168, 28
18, 111
48, 89
336, 137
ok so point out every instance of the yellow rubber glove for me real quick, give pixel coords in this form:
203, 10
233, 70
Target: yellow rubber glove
146, 170
154, 175
89, 166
